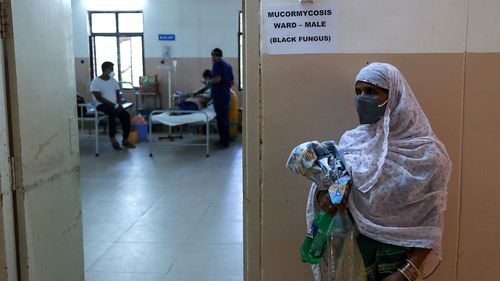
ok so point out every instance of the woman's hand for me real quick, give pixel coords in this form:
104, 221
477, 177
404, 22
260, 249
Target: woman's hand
396, 276
325, 203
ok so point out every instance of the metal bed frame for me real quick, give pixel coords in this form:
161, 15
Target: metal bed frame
207, 124
95, 116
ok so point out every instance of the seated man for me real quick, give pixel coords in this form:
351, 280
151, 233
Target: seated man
106, 90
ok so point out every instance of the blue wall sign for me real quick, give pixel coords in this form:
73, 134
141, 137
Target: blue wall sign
166, 37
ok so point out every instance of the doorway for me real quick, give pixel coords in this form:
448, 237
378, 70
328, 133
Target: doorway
178, 215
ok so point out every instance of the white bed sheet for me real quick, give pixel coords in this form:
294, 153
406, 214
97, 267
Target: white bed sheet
177, 120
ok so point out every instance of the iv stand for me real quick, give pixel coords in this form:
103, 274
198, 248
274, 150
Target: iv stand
169, 80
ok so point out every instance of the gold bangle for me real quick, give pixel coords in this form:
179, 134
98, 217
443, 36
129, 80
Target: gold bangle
404, 274
414, 267
409, 272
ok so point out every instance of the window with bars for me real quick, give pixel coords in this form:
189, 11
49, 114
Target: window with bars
118, 37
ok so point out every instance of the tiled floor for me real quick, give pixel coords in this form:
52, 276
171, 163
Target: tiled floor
174, 217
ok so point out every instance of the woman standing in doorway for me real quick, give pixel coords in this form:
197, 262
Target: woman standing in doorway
400, 173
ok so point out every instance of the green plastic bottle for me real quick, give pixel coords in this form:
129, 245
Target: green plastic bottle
304, 249
314, 243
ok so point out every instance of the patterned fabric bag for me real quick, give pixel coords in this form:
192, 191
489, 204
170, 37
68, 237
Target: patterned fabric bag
323, 164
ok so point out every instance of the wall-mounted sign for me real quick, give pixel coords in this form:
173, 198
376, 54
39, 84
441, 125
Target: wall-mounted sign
299, 28
166, 51
166, 37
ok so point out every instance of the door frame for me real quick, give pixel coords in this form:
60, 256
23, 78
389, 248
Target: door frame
252, 148
9, 258
25, 233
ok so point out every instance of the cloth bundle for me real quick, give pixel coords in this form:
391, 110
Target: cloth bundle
323, 164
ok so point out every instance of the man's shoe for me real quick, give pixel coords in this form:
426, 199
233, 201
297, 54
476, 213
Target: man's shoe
219, 145
128, 144
115, 145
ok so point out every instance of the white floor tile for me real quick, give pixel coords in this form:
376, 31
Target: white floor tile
105, 231
125, 257
93, 251
176, 210
176, 216
224, 232
161, 231
224, 212
209, 260
189, 194
99, 276
229, 194
170, 277
110, 211
137, 192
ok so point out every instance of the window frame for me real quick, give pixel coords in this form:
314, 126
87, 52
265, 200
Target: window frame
240, 50
95, 68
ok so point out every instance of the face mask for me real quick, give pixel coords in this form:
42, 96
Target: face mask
369, 109
111, 74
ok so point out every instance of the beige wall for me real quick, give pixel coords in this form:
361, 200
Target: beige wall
479, 250
315, 110
451, 64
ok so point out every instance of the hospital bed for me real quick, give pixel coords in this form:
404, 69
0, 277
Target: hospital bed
93, 115
182, 117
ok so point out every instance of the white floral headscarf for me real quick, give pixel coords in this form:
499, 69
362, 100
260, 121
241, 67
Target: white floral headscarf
400, 170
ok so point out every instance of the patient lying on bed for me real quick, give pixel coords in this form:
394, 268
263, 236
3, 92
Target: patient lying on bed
196, 102
200, 98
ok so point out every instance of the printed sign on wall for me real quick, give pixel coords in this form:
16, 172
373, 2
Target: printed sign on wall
298, 28
166, 37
